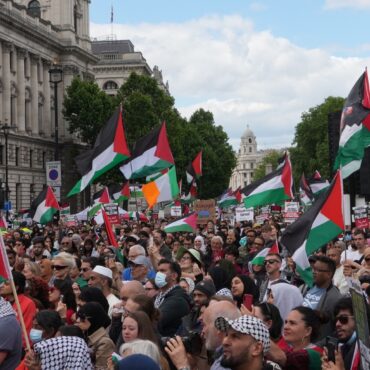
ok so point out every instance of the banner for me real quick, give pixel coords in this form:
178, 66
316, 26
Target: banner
176, 211
291, 212
361, 217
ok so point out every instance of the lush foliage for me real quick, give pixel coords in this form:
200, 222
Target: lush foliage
311, 147
145, 105
269, 159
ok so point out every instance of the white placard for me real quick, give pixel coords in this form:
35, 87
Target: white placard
176, 211
244, 214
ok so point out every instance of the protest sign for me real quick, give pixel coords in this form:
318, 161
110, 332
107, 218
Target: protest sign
291, 212
244, 214
111, 210
361, 217
176, 211
206, 210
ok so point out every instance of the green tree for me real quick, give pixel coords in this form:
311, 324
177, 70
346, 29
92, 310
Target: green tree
270, 159
87, 108
310, 149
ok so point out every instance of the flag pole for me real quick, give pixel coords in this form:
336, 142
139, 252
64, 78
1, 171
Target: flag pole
14, 291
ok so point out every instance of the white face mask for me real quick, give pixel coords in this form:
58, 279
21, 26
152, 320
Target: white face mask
160, 279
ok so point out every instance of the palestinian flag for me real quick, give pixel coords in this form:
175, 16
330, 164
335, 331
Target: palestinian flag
5, 270
192, 194
137, 216
151, 154
194, 169
163, 189
108, 228
120, 193
316, 227
305, 192
44, 206
187, 223
65, 209
99, 198
136, 191
155, 176
230, 198
259, 258
110, 149
355, 128
276, 187
318, 184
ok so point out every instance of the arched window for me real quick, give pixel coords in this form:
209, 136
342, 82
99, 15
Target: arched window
34, 8
110, 85
250, 141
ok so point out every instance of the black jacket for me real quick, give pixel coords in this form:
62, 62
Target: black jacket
174, 307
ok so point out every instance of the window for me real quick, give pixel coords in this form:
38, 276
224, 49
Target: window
18, 196
250, 149
245, 174
250, 141
110, 85
34, 8
43, 159
17, 156
31, 157
251, 175
1, 154
251, 165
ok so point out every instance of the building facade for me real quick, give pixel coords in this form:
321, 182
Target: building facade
248, 158
117, 60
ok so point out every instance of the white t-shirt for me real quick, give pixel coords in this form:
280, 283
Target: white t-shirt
351, 255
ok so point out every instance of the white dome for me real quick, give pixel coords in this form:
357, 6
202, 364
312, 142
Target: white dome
248, 133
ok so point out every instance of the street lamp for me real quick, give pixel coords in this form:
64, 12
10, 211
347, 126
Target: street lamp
55, 77
5, 128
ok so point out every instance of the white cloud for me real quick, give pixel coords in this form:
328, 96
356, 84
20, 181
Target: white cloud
357, 4
243, 76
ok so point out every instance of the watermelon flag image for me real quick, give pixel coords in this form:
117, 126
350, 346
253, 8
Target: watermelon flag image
273, 188
194, 169
259, 258
355, 128
163, 189
151, 154
110, 149
316, 227
44, 206
185, 224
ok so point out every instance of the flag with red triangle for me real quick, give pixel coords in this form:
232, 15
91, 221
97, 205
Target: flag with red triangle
122, 193
99, 198
317, 183
316, 227
44, 206
259, 258
110, 149
151, 154
187, 223
194, 169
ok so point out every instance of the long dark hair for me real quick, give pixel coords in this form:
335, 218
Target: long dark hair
65, 288
271, 312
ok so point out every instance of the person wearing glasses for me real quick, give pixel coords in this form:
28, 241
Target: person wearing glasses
272, 265
62, 265
324, 295
345, 328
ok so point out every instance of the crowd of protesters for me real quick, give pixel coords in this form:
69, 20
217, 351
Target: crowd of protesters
177, 301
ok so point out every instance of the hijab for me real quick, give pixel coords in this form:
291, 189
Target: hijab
96, 315
249, 288
92, 294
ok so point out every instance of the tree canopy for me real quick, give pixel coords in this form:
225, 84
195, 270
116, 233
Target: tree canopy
146, 105
269, 159
311, 147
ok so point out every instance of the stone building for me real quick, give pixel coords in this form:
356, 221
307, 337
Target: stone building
248, 158
117, 60
34, 35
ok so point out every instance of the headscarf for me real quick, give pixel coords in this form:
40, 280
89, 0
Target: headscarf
97, 317
203, 247
6, 308
286, 297
92, 294
249, 288
63, 353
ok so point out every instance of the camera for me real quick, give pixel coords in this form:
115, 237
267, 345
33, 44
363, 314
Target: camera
192, 342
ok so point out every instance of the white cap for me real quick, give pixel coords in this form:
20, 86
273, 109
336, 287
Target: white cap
101, 270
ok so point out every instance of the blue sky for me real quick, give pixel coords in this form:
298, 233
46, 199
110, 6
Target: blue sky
260, 63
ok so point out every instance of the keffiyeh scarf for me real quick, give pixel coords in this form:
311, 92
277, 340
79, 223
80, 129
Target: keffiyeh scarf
6, 308
161, 296
63, 353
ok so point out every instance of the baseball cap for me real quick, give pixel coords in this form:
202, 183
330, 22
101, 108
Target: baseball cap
140, 260
101, 270
248, 325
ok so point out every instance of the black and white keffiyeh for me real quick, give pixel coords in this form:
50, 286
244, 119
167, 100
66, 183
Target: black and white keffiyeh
6, 308
249, 325
63, 353
161, 296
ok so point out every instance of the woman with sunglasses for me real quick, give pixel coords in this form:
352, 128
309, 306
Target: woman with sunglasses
62, 265
301, 329
93, 321
62, 299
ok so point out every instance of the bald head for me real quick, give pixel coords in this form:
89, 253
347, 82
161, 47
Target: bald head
131, 289
212, 336
135, 251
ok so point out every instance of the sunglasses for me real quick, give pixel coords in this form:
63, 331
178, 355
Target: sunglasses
270, 262
59, 267
343, 319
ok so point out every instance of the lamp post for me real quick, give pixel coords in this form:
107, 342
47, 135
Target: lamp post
55, 77
5, 128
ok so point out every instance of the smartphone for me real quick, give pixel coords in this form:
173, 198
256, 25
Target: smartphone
332, 346
248, 301
61, 298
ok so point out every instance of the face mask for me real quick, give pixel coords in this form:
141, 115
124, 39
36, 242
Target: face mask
160, 279
36, 335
